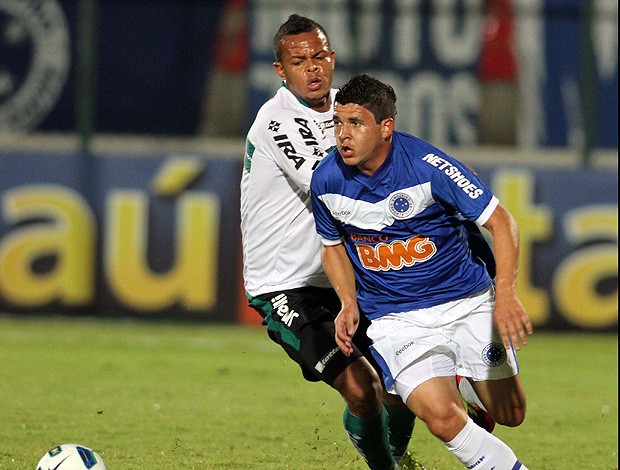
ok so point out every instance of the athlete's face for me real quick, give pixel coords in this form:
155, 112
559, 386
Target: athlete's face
308, 67
362, 142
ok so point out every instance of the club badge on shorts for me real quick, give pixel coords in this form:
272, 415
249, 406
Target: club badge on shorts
494, 354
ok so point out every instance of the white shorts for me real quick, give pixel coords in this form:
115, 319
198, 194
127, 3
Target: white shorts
455, 338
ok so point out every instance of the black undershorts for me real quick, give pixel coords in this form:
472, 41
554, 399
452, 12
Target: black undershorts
301, 321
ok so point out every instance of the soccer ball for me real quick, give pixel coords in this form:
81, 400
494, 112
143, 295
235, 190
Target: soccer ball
71, 457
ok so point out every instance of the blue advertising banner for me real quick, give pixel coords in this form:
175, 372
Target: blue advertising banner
568, 224
430, 53
152, 60
564, 49
157, 235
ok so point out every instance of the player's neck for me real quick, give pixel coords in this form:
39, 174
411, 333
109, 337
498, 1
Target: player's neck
321, 106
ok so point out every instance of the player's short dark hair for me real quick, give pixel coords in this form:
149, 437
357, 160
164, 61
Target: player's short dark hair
294, 25
377, 97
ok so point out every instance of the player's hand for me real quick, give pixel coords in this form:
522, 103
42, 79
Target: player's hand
346, 324
511, 321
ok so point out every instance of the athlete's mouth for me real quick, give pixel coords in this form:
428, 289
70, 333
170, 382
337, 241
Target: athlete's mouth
345, 151
315, 84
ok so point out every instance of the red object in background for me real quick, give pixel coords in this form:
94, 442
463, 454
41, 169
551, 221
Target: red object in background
232, 42
246, 315
497, 58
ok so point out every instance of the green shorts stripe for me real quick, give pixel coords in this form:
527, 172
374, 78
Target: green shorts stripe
266, 310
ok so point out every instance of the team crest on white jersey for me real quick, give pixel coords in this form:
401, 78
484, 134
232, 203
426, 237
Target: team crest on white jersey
400, 205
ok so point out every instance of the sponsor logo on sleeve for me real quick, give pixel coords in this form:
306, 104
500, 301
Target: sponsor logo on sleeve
454, 174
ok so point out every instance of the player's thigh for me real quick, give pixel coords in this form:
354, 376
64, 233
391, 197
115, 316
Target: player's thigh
301, 321
482, 355
504, 399
320, 356
352, 376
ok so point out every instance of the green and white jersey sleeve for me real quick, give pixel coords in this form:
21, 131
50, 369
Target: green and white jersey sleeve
281, 249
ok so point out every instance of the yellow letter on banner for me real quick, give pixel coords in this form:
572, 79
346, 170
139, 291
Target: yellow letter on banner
515, 190
576, 279
191, 281
62, 227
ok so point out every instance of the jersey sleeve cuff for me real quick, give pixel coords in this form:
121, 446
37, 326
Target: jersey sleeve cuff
486, 213
330, 242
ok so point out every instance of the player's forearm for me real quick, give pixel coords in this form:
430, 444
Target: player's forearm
340, 273
506, 248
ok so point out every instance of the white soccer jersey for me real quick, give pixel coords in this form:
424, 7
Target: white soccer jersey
281, 249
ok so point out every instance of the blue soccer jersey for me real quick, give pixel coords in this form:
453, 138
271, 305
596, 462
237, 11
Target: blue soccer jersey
402, 225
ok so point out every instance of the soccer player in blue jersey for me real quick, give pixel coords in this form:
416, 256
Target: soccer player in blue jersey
390, 210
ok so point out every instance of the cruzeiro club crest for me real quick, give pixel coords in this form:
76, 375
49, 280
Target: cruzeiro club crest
494, 354
36, 57
400, 205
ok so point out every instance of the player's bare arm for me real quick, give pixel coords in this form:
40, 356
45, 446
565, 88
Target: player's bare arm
340, 273
510, 317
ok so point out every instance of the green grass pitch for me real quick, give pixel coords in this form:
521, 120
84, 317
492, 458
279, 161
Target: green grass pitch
162, 395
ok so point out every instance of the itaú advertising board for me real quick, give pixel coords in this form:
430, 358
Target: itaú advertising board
568, 223
158, 236
155, 235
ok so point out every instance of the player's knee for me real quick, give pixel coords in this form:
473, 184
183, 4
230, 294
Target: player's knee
363, 394
444, 422
446, 427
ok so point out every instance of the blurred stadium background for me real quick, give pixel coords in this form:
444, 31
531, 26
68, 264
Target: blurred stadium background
122, 124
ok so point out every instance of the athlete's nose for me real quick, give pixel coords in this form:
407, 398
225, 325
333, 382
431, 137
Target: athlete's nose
340, 132
343, 131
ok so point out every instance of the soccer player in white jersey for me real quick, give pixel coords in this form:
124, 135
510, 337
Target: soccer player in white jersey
389, 208
283, 276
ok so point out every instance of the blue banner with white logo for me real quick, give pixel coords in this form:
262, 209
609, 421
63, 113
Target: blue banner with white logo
151, 62
429, 52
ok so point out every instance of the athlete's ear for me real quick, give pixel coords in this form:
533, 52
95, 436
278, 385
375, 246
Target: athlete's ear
387, 128
279, 70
